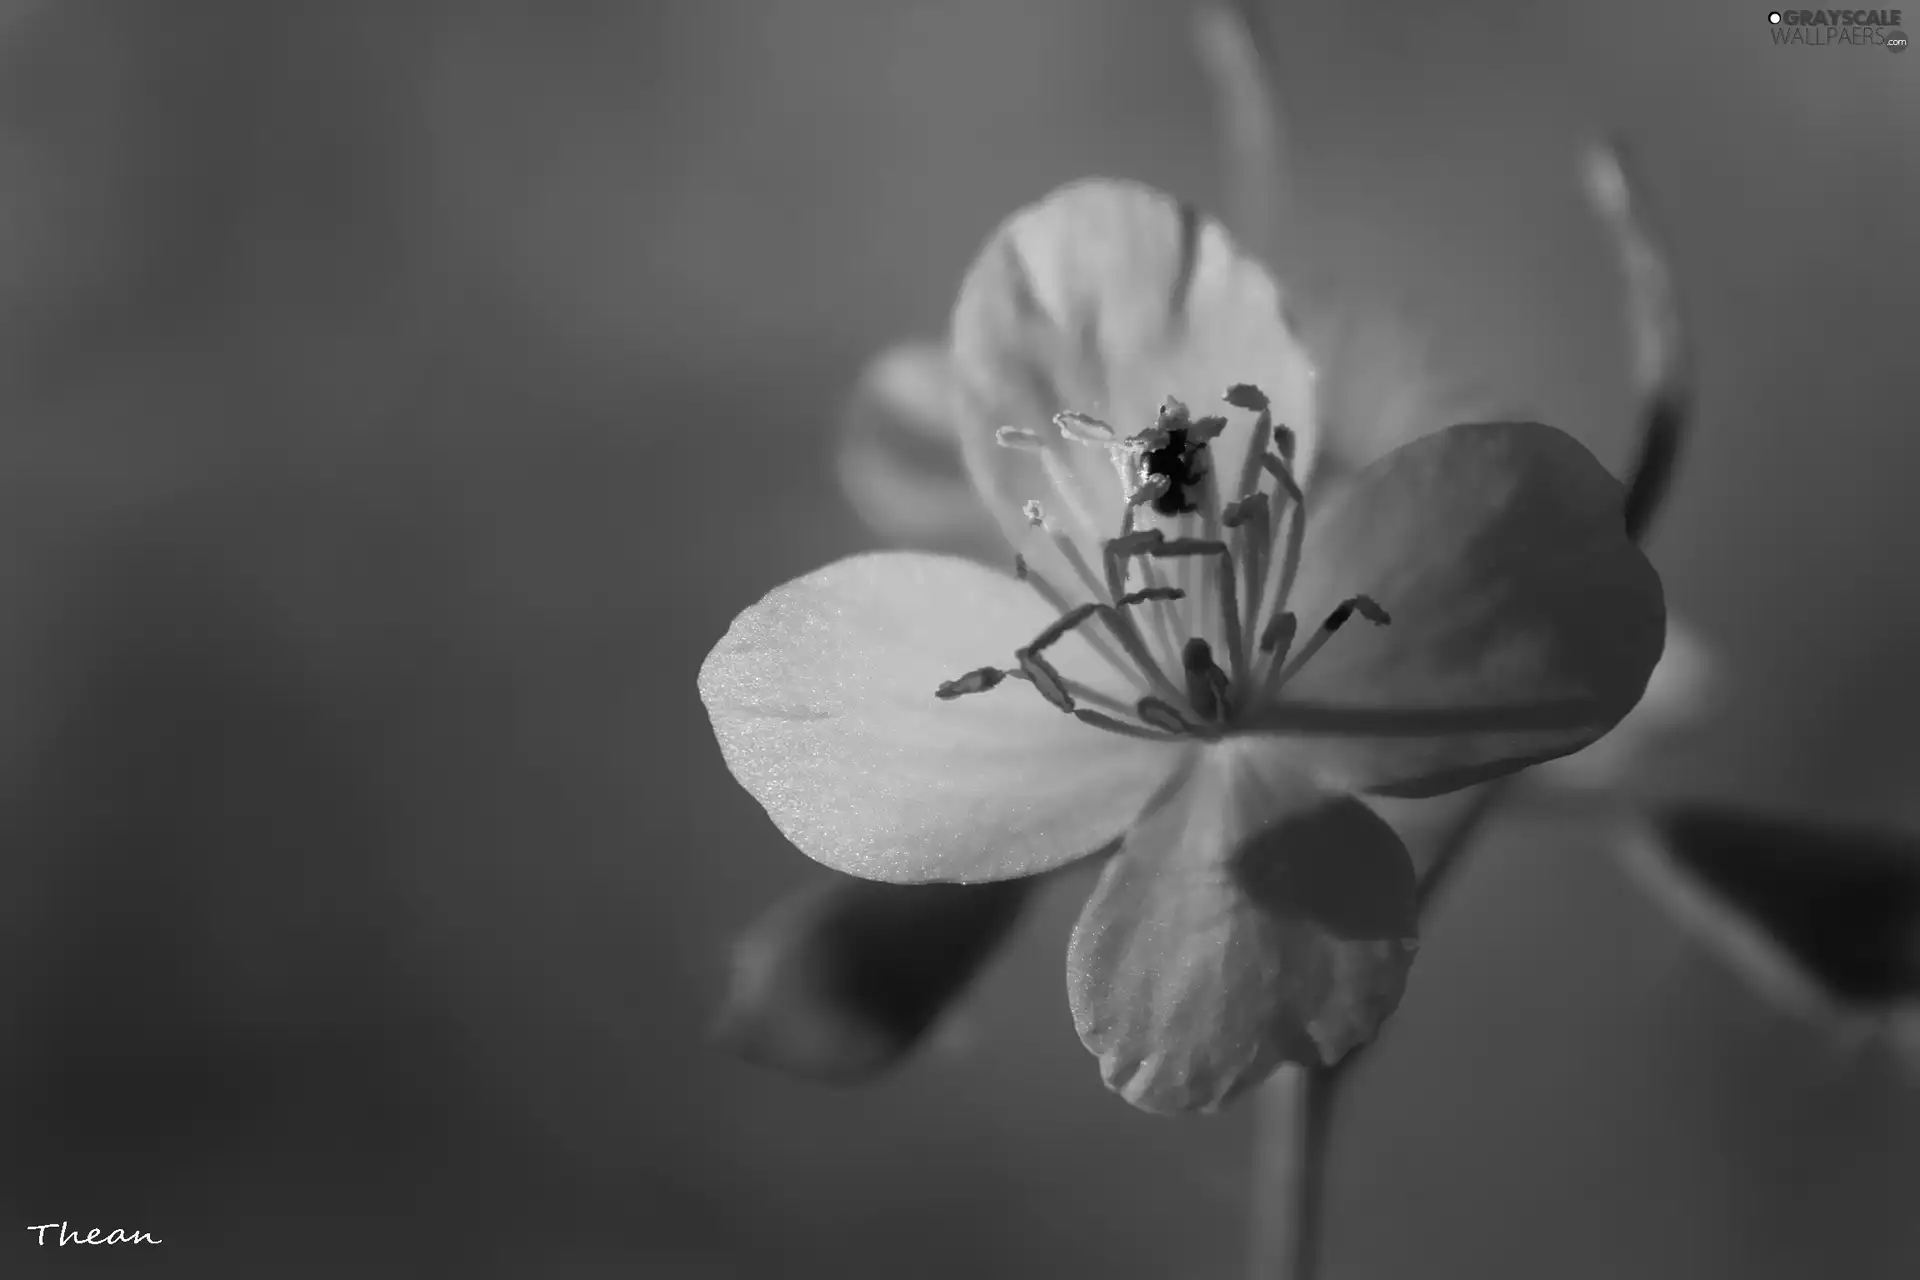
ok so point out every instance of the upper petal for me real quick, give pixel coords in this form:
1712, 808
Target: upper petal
1383, 382
899, 456
1106, 298
822, 698
1525, 622
1252, 919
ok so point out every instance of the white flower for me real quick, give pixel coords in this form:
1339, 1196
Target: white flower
1198, 667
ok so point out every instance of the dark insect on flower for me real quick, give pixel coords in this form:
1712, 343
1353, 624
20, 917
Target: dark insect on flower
1181, 460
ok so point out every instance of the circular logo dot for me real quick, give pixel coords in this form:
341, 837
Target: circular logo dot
1774, 17
1896, 40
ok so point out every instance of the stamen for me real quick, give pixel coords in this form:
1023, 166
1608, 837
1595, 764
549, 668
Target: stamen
1071, 550
1256, 450
1256, 546
1283, 440
1162, 715
1205, 431
1120, 624
1207, 684
1081, 692
1278, 467
1146, 594
1244, 395
1296, 526
1152, 489
1112, 725
1084, 429
1049, 682
1058, 603
1036, 515
1118, 551
973, 682
1278, 636
1061, 625
1229, 592
1362, 605
1019, 438
1065, 484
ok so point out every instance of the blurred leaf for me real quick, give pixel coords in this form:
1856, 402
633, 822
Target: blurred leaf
1822, 920
839, 981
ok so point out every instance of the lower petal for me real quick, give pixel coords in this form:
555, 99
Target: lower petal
1252, 919
822, 699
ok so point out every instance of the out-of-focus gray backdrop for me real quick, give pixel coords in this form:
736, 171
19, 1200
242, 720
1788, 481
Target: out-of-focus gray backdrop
396, 399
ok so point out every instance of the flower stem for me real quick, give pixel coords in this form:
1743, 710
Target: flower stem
1295, 1110
1292, 1121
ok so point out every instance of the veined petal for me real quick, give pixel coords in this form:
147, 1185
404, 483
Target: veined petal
1106, 298
1525, 622
1251, 919
822, 698
899, 456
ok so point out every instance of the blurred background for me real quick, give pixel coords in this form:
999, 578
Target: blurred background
398, 398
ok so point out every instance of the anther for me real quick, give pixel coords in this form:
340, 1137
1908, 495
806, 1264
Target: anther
1283, 440
1019, 438
1118, 551
1244, 395
1036, 514
1161, 715
1278, 636
1152, 489
1362, 605
1365, 606
1238, 512
973, 682
1084, 429
1046, 679
1206, 430
1207, 684
1147, 594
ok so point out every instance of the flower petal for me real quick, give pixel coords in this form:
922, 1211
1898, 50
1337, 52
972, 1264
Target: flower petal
899, 456
1106, 298
822, 698
840, 981
1252, 919
1382, 382
1678, 695
1525, 622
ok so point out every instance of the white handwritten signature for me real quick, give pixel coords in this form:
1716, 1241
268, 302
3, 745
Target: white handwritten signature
115, 1236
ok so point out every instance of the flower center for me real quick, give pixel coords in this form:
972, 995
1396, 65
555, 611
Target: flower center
1210, 574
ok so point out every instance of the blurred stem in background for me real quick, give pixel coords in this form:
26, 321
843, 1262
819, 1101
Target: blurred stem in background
1296, 1109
